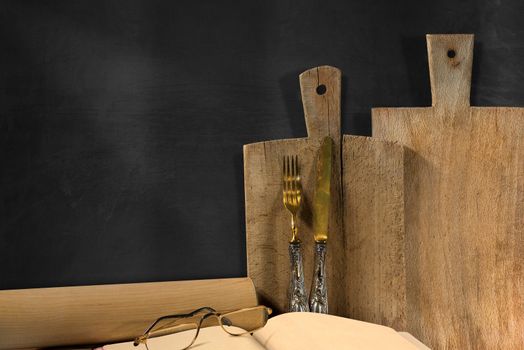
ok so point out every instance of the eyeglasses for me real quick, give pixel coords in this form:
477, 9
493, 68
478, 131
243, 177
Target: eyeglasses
188, 325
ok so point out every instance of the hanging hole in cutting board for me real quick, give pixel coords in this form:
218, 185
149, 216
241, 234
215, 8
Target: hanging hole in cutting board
451, 53
321, 89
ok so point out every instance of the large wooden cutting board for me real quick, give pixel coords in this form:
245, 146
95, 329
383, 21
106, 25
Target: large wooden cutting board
366, 237
464, 208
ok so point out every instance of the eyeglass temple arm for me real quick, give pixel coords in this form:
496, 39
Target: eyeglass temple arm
192, 313
211, 312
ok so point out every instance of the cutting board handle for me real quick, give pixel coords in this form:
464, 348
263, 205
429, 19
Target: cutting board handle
450, 60
320, 88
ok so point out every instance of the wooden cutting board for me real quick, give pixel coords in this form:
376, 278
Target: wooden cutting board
365, 250
373, 197
464, 208
268, 227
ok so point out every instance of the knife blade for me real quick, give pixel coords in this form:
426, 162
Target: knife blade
318, 298
322, 199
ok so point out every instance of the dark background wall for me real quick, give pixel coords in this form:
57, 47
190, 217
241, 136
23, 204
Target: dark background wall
122, 122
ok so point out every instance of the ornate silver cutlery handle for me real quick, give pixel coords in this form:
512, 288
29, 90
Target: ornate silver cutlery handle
297, 290
318, 299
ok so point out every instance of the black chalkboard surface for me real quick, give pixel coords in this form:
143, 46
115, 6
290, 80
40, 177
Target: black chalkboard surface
122, 122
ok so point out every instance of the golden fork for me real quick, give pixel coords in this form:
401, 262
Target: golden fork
292, 198
292, 192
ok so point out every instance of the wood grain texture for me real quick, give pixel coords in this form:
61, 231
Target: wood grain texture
366, 274
108, 313
268, 223
464, 209
320, 89
373, 182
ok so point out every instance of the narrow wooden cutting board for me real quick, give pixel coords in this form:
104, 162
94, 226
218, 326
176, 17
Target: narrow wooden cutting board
268, 227
373, 197
366, 238
464, 208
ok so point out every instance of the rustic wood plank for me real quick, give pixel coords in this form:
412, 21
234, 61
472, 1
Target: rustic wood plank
464, 209
373, 182
108, 313
268, 223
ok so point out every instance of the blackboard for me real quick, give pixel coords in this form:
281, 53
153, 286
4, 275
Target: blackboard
122, 122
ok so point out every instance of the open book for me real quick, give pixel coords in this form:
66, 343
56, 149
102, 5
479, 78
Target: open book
292, 331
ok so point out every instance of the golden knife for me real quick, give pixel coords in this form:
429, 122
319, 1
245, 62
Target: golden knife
318, 298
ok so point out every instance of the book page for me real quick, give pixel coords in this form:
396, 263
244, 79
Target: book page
304, 331
210, 338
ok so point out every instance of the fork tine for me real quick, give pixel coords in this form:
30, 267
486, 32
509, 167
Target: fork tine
298, 175
284, 174
289, 167
295, 174
297, 180
293, 166
285, 171
286, 166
